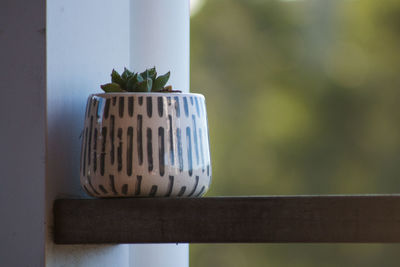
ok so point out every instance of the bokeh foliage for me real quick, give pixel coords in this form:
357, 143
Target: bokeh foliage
302, 98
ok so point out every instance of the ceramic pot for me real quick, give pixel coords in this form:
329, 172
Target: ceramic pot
145, 145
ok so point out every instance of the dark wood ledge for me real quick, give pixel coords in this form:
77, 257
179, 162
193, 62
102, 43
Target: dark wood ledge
363, 218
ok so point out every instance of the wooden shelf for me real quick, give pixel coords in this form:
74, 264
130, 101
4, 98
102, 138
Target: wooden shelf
364, 218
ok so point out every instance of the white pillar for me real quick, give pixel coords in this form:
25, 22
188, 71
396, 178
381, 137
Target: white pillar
85, 41
159, 255
159, 36
41, 124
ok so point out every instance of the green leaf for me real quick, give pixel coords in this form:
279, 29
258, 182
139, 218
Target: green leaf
116, 78
145, 74
160, 82
149, 84
128, 81
126, 75
145, 86
132, 83
152, 73
139, 78
111, 87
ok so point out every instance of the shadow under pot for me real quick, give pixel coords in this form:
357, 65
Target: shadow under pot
145, 145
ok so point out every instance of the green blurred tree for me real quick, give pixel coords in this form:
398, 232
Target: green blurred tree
302, 98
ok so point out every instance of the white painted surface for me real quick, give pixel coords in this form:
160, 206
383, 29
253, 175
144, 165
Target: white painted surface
159, 255
85, 40
159, 36
22, 132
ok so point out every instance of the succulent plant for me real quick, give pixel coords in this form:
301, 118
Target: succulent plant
146, 81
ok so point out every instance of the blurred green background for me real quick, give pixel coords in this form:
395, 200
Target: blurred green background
302, 98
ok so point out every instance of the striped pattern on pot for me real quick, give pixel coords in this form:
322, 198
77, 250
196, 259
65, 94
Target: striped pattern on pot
145, 145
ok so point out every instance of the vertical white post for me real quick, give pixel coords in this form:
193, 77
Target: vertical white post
159, 36
85, 41
40, 138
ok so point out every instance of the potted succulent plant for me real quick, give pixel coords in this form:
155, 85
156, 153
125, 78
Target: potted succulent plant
141, 138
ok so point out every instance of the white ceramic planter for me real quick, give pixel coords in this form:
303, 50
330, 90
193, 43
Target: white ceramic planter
145, 144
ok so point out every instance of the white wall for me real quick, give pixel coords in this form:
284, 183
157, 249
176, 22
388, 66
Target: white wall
22, 132
159, 255
85, 41
159, 36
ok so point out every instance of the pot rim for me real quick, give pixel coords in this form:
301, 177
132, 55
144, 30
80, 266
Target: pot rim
144, 94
